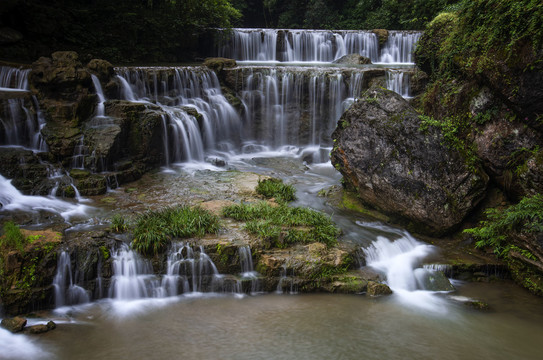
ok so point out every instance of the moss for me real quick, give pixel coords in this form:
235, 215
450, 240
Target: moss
350, 201
105, 252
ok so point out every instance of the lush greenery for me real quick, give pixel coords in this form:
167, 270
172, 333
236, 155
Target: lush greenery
525, 218
340, 14
13, 238
119, 31
154, 230
275, 188
281, 226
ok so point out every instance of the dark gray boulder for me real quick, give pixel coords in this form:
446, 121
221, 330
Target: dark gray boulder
401, 170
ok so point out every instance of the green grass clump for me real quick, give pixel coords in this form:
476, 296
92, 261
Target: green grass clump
155, 229
526, 217
282, 226
118, 223
275, 188
13, 237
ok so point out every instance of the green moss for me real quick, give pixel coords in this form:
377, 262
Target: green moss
350, 201
105, 252
13, 237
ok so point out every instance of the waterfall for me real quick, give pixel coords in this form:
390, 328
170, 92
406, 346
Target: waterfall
100, 108
400, 261
20, 117
198, 118
12, 199
398, 81
317, 45
248, 274
66, 291
399, 47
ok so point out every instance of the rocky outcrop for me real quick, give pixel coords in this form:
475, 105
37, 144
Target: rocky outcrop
399, 168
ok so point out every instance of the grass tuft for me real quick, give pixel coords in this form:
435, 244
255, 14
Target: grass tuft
275, 188
13, 237
155, 229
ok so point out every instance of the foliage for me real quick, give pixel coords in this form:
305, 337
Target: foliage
118, 223
340, 14
275, 188
526, 217
13, 237
155, 229
282, 226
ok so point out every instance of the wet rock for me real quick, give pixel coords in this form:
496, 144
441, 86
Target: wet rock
382, 35
218, 64
401, 170
51, 325
433, 280
352, 59
377, 289
15, 324
37, 329
103, 69
477, 305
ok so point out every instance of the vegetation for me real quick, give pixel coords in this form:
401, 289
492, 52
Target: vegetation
282, 226
524, 218
118, 223
275, 188
340, 14
13, 237
155, 229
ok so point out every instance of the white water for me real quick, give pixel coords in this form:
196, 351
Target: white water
21, 119
100, 108
317, 45
17, 346
400, 261
398, 81
13, 199
67, 292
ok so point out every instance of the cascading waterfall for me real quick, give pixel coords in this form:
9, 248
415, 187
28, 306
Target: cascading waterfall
198, 117
20, 118
317, 45
398, 81
67, 292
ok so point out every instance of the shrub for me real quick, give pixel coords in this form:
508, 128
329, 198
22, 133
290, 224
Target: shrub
154, 230
275, 188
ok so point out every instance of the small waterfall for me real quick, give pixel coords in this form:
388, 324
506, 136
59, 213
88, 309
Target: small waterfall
400, 260
80, 152
13, 199
67, 292
100, 108
398, 81
20, 117
286, 282
248, 274
399, 47
317, 45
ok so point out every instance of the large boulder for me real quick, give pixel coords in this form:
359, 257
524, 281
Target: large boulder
396, 167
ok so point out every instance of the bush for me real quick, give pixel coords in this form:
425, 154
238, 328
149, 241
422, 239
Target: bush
155, 229
282, 226
275, 188
526, 217
13, 237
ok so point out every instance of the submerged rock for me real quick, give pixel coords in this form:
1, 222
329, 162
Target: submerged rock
397, 167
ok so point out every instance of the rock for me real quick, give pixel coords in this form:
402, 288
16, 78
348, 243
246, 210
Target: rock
51, 325
433, 280
377, 289
477, 305
37, 329
9, 36
102, 69
407, 173
218, 64
382, 35
352, 59
15, 324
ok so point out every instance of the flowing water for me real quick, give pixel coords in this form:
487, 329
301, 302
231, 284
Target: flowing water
283, 129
